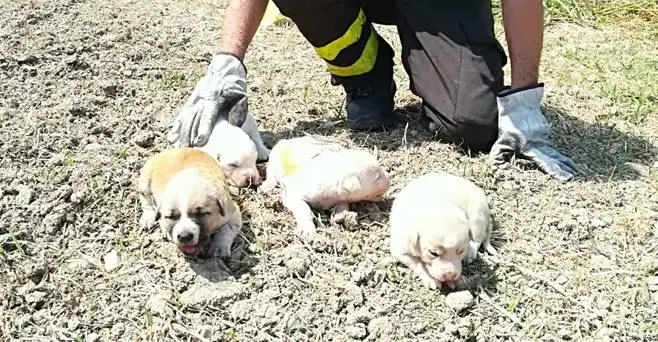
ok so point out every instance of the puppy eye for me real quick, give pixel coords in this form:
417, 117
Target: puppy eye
172, 216
461, 251
232, 165
434, 254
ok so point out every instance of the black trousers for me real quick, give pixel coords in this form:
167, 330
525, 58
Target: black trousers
449, 50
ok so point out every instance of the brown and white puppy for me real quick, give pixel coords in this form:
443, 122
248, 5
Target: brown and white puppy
437, 221
186, 191
317, 173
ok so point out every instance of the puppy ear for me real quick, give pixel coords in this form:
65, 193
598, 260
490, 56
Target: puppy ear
415, 238
221, 207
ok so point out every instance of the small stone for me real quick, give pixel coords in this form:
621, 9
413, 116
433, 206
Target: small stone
564, 334
35, 298
144, 139
72, 324
360, 316
54, 221
459, 301
112, 261
92, 337
110, 90
357, 331
364, 272
241, 310
381, 326
78, 196
158, 305
418, 328
117, 330
215, 294
205, 331
25, 195
297, 266
652, 283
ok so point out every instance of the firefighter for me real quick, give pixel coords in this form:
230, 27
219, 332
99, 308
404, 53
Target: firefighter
449, 50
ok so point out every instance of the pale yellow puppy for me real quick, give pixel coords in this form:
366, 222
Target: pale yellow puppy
315, 172
437, 221
186, 190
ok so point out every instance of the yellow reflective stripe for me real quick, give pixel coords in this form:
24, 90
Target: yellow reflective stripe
362, 65
351, 36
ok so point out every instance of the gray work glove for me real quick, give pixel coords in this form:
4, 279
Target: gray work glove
221, 92
523, 130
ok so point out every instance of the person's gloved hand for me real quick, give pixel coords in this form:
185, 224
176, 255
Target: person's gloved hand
523, 130
221, 92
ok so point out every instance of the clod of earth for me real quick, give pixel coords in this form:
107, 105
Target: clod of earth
459, 301
213, 294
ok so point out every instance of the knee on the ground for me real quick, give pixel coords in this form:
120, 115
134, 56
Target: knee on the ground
475, 137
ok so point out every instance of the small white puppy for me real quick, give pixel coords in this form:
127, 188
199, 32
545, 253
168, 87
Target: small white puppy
186, 191
317, 173
436, 221
238, 149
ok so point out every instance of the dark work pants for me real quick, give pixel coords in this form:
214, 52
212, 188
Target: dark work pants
449, 50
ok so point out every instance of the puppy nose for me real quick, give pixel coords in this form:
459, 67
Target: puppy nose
185, 237
255, 179
450, 276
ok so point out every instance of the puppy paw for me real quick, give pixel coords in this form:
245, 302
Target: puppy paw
306, 230
430, 282
471, 251
147, 220
267, 186
346, 218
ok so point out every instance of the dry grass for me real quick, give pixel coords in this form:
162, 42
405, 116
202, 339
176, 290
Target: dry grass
88, 88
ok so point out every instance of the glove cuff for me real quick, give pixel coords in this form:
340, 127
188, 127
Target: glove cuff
515, 99
234, 56
507, 90
226, 63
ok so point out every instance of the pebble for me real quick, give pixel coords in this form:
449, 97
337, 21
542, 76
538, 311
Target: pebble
35, 298
360, 316
92, 337
158, 305
459, 301
364, 272
78, 196
112, 261
297, 266
357, 331
25, 195
652, 283
144, 139
241, 310
380, 326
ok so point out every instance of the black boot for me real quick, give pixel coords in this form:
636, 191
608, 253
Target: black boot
370, 97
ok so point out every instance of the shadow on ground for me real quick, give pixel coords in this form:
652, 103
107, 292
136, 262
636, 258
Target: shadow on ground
603, 152
600, 149
240, 262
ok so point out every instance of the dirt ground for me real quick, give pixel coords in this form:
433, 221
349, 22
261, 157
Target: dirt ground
87, 89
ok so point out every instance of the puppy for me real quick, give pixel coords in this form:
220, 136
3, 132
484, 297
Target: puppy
317, 173
186, 191
436, 221
238, 149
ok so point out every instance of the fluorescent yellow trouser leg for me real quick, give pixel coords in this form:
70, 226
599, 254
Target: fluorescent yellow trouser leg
355, 34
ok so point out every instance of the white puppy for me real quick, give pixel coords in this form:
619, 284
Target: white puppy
238, 149
186, 191
436, 221
316, 173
